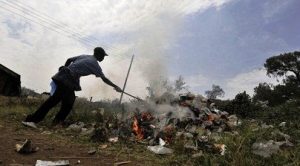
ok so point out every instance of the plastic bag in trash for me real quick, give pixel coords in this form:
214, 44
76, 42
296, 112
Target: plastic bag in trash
160, 149
52, 163
266, 149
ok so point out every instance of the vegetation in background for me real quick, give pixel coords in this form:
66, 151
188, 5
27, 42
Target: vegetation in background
287, 64
216, 91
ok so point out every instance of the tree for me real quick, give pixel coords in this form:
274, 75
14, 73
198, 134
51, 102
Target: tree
263, 92
28, 92
283, 65
180, 84
242, 105
276, 95
215, 92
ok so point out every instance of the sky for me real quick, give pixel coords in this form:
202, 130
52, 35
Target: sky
222, 42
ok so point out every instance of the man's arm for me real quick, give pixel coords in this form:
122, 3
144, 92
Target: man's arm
70, 60
108, 82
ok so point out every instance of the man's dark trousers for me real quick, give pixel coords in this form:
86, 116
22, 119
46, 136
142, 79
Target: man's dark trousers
63, 94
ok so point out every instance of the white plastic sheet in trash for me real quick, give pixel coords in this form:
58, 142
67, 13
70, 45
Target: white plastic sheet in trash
160, 149
52, 163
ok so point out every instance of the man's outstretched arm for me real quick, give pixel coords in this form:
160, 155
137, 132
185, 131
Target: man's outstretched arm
108, 82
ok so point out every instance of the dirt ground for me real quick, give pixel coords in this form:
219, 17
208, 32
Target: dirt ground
50, 148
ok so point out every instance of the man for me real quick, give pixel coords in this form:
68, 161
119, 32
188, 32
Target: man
66, 81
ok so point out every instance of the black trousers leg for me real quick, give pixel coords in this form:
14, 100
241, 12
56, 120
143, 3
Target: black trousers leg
66, 106
42, 111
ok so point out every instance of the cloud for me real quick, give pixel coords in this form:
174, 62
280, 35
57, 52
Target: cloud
122, 27
198, 80
272, 8
246, 82
102, 17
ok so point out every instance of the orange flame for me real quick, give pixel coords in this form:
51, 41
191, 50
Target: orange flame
137, 129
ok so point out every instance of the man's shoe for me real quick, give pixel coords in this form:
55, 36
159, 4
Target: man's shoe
29, 124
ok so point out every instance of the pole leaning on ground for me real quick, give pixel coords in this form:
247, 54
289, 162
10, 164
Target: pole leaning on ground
126, 79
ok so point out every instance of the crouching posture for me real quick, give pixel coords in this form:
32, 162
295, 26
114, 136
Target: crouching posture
66, 82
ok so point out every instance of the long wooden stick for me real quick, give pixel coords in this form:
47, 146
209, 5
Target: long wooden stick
133, 96
126, 79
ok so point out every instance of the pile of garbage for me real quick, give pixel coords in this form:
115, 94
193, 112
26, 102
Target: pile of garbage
161, 123
191, 118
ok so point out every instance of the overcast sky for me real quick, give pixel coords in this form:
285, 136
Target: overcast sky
223, 42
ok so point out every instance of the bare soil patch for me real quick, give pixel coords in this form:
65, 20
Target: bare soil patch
50, 148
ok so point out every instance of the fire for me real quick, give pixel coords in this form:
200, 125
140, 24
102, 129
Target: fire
146, 116
169, 131
137, 130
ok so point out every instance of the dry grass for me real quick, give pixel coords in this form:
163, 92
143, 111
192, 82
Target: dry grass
238, 146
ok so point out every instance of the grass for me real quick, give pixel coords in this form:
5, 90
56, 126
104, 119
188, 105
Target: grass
238, 150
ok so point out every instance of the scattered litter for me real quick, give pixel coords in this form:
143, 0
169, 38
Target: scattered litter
113, 139
179, 134
94, 112
281, 134
103, 146
266, 149
203, 138
265, 126
92, 151
162, 142
234, 121
86, 131
187, 146
196, 155
235, 133
188, 135
221, 148
255, 129
46, 133
122, 163
282, 124
76, 127
26, 147
160, 149
52, 163
29, 124
286, 144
